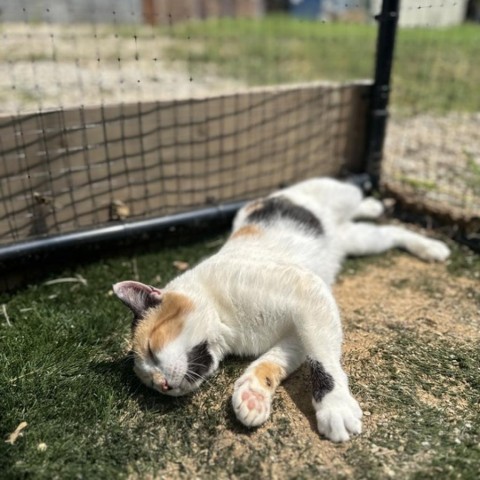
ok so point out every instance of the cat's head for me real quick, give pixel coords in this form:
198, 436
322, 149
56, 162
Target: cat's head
173, 348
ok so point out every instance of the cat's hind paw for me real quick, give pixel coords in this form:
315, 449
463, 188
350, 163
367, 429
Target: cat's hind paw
370, 208
251, 403
432, 250
339, 417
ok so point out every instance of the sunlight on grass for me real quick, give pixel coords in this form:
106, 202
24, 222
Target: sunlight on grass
66, 372
434, 69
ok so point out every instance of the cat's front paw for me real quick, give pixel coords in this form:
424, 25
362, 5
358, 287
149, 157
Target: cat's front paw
338, 416
251, 402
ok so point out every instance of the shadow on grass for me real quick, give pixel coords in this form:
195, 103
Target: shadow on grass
298, 387
146, 398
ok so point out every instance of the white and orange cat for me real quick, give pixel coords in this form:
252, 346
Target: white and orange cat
267, 293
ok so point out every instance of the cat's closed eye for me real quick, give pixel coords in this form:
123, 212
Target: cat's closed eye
199, 361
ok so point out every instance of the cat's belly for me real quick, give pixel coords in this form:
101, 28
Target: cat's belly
257, 333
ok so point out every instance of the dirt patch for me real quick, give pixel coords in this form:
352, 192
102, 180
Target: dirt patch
435, 160
411, 294
47, 66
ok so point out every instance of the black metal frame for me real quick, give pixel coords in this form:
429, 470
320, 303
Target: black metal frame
387, 19
117, 232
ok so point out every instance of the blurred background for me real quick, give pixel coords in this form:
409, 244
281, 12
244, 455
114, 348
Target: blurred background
84, 87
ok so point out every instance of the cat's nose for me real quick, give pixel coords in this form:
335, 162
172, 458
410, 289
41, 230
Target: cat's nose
161, 383
165, 386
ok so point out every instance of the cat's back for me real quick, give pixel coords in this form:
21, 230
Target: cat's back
278, 230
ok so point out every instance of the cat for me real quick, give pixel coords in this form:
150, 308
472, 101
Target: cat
267, 294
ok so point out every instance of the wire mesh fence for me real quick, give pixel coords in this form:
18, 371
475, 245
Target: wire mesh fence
76, 168
119, 111
116, 122
432, 151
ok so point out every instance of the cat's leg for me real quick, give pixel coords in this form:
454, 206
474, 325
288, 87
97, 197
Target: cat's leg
253, 391
317, 320
306, 302
369, 239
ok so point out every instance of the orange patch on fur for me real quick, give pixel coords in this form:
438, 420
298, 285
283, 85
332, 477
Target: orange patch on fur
162, 324
247, 231
269, 374
252, 206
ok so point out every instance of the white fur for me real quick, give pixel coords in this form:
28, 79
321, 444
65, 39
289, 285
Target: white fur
269, 295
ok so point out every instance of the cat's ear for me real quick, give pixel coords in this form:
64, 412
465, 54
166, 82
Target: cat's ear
137, 297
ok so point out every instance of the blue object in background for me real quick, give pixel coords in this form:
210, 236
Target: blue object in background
305, 8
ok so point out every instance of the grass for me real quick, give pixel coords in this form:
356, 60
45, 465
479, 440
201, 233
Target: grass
277, 49
418, 184
464, 263
434, 69
66, 373
416, 388
472, 173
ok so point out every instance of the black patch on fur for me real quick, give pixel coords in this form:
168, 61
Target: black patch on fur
144, 301
278, 208
322, 382
149, 301
199, 362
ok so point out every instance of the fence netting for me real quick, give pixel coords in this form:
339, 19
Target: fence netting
120, 111
119, 119
432, 150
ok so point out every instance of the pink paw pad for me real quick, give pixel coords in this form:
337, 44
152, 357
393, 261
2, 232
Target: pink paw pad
251, 407
253, 399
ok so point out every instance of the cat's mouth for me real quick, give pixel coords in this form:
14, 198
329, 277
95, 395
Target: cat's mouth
160, 383
184, 388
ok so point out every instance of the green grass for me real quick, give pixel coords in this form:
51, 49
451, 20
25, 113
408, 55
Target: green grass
66, 372
431, 438
464, 262
418, 184
472, 172
277, 49
434, 69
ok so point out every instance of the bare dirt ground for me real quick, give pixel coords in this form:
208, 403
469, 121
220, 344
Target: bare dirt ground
436, 159
50, 67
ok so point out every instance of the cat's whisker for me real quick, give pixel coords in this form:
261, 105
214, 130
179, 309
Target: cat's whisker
192, 374
190, 377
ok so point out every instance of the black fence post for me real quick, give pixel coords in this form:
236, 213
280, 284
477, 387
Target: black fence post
377, 121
